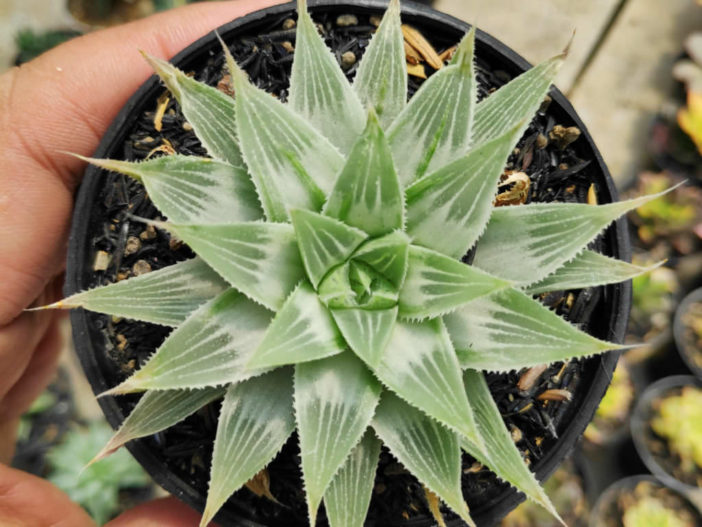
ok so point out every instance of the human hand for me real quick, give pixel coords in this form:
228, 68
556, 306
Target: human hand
63, 101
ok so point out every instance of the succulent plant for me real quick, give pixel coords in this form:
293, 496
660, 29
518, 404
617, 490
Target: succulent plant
678, 419
328, 297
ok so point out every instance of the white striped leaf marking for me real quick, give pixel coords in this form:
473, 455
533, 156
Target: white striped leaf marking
348, 497
211, 348
366, 331
387, 255
335, 399
190, 189
319, 90
292, 165
420, 365
324, 242
367, 193
434, 129
526, 243
436, 284
166, 296
501, 454
425, 448
515, 102
255, 422
209, 111
259, 259
456, 200
588, 269
381, 80
303, 330
508, 330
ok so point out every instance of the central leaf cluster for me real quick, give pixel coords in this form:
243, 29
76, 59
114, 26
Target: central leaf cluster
371, 278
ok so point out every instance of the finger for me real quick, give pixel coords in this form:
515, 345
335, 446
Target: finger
64, 101
20, 495
165, 512
35, 377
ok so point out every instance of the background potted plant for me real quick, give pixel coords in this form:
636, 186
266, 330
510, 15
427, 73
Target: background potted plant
667, 432
353, 277
687, 330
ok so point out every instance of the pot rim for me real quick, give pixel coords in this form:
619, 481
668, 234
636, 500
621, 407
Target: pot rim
694, 296
626, 483
639, 426
490, 49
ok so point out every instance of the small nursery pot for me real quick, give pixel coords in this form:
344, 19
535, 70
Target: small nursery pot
93, 216
660, 465
626, 493
689, 343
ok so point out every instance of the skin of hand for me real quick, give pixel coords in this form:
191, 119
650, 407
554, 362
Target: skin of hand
63, 101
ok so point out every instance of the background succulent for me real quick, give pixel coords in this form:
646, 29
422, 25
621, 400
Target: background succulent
328, 297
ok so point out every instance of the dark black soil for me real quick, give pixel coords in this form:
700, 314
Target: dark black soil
556, 174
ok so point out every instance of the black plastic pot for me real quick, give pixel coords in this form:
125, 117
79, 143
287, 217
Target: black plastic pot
641, 430
688, 351
609, 320
603, 507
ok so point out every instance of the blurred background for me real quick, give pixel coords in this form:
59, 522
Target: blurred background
634, 75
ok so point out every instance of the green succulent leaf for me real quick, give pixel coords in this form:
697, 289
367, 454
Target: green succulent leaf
500, 455
255, 422
303, 330
514, 103
508, 330
367, 194
324, 242
588, 269
248, 255
456, 200
348, 496
387, 255
189, 189
435, 126
527, 243
209, 111
425, 448
335, 399
292, 165
420, 365
319, 90
381, 80
367, 332
156, 411
211, 348
166, 296
437, 284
